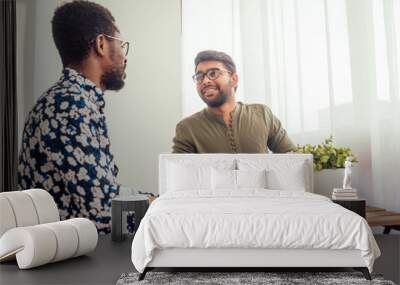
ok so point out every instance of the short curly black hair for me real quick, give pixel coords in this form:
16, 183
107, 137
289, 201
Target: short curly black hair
75, 25
207, 55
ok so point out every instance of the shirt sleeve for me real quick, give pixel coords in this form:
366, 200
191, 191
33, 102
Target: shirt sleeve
278, 139
77, 144
182, 142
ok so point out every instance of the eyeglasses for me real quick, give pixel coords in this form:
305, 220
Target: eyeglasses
211, 74
124, 44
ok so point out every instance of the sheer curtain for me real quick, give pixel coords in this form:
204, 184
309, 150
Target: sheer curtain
323, 66
385, 110
207, 25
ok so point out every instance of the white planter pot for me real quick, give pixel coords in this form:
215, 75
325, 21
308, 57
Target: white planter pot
327, 179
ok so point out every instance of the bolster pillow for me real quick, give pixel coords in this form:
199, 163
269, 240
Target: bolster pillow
26, 208
40, 244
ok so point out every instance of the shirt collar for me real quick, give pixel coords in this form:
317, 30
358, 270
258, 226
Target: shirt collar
219, 118
94, 93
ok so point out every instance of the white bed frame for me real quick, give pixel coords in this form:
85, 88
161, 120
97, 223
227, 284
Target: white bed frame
234, 257
250, 258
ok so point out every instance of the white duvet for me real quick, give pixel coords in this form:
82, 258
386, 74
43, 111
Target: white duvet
251, 218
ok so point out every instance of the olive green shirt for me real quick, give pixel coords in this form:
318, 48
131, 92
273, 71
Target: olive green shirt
254, 129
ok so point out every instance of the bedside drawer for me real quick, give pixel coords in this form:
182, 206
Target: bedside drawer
357, 206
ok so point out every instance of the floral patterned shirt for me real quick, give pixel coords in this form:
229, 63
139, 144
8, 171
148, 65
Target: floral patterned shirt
66, 150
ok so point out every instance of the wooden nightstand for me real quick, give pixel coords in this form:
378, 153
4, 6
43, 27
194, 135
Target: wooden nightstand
357, 206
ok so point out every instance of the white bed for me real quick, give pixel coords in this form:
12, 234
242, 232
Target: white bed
247, 210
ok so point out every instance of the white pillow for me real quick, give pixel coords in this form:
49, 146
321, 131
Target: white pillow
223, 179
188, 177
236, 179
251, 178
287, 180
282, 174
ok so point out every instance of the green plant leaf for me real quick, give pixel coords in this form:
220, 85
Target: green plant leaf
326, 155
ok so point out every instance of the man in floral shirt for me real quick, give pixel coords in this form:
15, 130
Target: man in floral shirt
65, 144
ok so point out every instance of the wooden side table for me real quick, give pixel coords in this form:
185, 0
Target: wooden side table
357, 206
136, 203
380, 217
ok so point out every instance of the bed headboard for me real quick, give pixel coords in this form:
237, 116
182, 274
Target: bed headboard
212, 159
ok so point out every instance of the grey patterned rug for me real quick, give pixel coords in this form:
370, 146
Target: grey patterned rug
231, 278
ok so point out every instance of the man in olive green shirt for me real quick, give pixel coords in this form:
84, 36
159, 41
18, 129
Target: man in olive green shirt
227, 126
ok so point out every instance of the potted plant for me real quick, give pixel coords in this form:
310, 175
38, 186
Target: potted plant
328, 164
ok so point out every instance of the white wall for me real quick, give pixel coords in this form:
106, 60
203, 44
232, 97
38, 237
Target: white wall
25, 58
142, 116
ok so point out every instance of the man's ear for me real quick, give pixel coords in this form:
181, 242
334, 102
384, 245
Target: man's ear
235, 80
100, 45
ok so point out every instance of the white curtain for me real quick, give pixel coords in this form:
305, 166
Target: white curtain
323, 66
207, 25
385, 106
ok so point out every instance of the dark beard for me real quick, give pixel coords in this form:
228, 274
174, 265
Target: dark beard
217, 102
112, 79
220, 99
